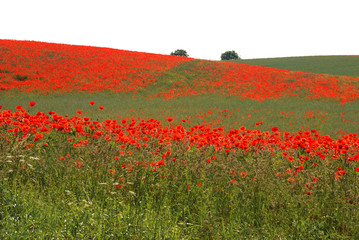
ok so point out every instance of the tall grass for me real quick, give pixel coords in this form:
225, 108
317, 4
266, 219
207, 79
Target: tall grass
232, 196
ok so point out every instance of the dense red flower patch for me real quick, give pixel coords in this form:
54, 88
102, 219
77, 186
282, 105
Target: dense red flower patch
45, 67
296, 148
256, 82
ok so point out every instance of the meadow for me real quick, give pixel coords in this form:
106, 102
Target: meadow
100, 143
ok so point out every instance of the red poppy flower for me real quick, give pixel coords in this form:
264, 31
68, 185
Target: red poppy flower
79, 112
275, 129
32, 104
92, 103
101, 108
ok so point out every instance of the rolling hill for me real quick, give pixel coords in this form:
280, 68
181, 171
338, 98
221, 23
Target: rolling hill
38, 67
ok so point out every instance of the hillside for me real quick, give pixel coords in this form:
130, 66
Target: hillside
47, 67
334, 65
38, 67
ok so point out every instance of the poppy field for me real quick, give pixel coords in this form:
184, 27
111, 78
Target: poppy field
99, 143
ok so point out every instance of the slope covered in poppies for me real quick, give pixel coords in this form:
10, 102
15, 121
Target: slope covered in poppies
255, 82
44, 67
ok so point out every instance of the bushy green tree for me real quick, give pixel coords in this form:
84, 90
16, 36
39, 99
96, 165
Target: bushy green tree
229, 55
180, 52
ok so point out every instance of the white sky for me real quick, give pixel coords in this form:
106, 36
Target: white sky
204, 28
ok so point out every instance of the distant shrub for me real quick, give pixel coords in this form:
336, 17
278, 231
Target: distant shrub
229, 55
19, 77
180, 52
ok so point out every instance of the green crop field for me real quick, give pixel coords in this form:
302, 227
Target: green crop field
107, 144
336, 65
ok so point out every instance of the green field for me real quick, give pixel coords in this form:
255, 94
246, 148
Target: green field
336, 65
